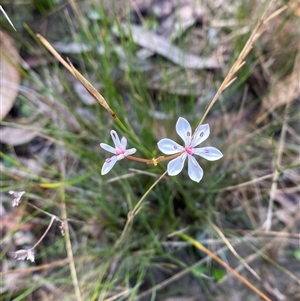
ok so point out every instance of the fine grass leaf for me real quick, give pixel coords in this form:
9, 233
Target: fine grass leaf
271, 286
10, 76
218, 274
297, 254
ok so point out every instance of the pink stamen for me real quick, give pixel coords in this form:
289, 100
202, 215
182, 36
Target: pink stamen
201, 134
206, 150
188, 134
107, 160
119, 151
189, 150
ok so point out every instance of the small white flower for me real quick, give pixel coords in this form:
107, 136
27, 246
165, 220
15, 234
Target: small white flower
170, 147
25, 254
17, 197
119, 150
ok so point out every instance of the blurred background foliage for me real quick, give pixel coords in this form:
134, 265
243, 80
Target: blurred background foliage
153, 61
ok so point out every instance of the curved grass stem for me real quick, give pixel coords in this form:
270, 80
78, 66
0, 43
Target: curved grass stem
199, 246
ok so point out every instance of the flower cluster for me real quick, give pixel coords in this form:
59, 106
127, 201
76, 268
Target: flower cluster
176, 152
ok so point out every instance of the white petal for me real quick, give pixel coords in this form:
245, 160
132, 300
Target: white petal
108, 148
129, 152
201, 134
120, 157
176, 165
169, 147
209, 153
184, 130
116, 140
194, 169
108, 165
124, 142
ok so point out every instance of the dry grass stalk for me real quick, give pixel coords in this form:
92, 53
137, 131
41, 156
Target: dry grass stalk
67, 232
136, 210
256, 33
233, 251
225, 265
89, 87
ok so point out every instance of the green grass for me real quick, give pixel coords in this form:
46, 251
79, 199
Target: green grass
97, 206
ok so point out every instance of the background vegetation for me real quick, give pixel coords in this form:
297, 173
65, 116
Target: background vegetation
246, 208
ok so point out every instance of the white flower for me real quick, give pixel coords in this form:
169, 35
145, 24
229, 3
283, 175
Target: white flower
119, 150
25, 254
17, 197
170, 147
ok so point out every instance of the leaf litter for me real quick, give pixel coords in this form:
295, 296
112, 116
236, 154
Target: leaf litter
10, 76
242, 123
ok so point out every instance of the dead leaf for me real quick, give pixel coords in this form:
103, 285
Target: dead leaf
271, 286
73, 47
17, 173
288, 201
15, 136
294, 6
10, 76
285, 92
13, 220
287, 89
289, 206
18, 136
16, 282
165, 48
181, 299
177, 24
162, 9
31, 164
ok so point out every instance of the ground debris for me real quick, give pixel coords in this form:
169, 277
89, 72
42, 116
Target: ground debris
166, 49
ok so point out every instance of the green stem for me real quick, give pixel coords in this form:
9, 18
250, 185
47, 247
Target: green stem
154, 161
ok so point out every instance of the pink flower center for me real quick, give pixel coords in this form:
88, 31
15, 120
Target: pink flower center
119, 151
189, 149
